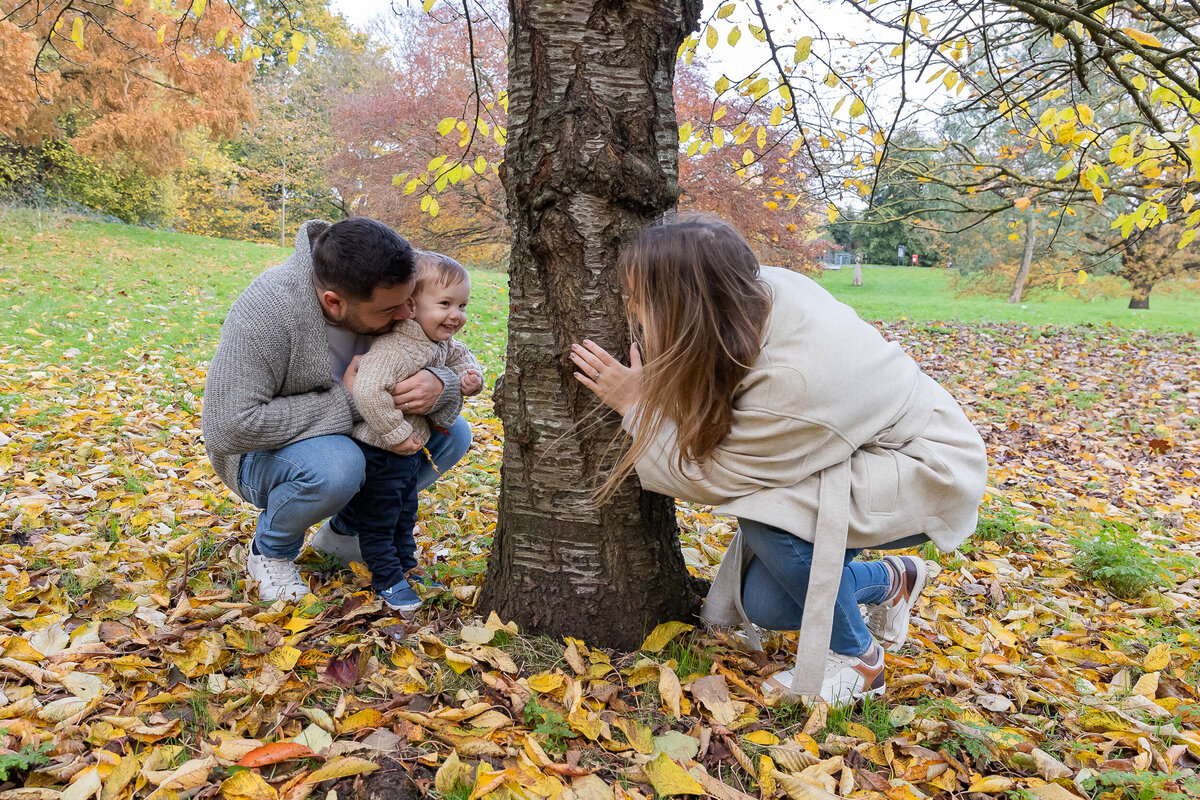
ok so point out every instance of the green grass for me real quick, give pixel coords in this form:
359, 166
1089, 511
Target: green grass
921, 294
114, 292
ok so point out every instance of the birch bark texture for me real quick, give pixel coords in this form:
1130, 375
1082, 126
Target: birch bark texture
591, 159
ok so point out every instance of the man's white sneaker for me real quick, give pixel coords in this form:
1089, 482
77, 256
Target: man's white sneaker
888, 621
847, 678
277, 578
344, 548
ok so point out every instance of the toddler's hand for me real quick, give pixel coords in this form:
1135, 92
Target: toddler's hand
405, 448
471, 381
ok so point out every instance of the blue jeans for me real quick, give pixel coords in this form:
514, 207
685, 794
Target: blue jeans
776, 580
299, 485
384, 529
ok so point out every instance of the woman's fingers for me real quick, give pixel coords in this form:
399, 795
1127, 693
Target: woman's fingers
600, 353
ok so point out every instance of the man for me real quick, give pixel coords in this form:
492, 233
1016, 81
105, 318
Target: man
278, 402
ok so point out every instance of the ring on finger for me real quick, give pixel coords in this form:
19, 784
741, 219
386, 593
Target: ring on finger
596, 377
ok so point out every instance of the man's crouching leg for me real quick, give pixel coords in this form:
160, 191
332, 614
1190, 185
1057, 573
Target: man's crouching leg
296, 486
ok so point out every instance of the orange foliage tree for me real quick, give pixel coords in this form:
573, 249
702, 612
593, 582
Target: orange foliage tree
121, 78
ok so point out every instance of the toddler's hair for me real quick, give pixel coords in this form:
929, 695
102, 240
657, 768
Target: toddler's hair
438, 269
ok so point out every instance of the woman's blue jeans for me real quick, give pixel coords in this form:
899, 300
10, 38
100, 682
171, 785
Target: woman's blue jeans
776, 581
299, 485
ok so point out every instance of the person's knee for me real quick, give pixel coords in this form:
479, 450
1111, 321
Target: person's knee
459, 442
339, 475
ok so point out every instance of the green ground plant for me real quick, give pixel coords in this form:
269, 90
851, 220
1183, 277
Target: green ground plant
23, 760
548, 724
1116, 560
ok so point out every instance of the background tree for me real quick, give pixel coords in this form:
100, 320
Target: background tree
108, 81
407, 131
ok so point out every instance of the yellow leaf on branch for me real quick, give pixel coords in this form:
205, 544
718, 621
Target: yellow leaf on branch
1141, 37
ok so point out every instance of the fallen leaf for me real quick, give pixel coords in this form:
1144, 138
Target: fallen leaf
663, 633
247, 785
713, 693
341, 768
668, 778
274, 753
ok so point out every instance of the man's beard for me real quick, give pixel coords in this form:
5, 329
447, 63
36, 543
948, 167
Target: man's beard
353, 323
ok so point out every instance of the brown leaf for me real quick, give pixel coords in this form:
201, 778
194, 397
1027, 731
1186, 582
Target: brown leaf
713, 693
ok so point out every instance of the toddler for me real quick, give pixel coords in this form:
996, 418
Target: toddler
392, 440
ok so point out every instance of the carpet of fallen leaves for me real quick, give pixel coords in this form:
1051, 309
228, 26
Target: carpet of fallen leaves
134, 663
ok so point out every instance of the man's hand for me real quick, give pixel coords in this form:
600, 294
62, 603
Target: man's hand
351, 374
417, 393
408, 447
617, 385
471, 381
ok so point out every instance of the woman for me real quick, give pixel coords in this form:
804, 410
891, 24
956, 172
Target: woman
765, 396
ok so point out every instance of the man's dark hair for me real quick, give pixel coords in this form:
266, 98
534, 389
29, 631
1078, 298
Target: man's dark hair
356, 255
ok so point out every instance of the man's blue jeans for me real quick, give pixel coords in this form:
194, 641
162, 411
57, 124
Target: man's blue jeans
299, 485
776, 580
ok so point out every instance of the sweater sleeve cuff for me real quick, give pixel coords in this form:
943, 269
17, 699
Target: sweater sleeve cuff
448, 405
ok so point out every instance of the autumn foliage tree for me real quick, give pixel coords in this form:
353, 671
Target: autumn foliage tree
402, 152
767, 198
109, 79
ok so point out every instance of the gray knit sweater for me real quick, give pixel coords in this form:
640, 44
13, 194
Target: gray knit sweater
269, 383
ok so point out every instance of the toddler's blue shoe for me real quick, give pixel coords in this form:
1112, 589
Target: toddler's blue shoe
401, 597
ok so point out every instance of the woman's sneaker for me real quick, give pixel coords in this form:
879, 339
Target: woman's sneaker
847, 678
401, 597
277, 578
888, 621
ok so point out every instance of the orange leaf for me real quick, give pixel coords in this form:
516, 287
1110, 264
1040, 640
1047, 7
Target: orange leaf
274, 753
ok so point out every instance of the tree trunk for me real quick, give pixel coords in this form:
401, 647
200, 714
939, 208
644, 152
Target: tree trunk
1026, 260
1139, 297
592, 157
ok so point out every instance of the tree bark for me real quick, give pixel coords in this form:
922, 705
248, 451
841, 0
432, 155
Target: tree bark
1026, 260
591, 158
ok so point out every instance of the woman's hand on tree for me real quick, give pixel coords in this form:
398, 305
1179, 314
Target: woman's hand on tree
617, 385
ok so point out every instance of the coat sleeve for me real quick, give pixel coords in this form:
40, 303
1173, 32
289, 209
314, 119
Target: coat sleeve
764, 449
378, 371
243, 411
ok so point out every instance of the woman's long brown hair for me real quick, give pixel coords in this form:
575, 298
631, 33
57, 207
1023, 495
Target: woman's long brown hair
694, 290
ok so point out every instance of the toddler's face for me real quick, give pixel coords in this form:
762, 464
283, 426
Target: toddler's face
441, 311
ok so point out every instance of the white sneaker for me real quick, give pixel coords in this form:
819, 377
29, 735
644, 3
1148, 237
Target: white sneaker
847, 678
277, 578
888, 621
344, 548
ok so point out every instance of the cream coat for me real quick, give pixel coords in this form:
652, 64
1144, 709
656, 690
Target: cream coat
838, 438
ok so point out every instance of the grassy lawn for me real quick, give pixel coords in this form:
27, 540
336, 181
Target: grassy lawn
117, 291
921, 294
114, 292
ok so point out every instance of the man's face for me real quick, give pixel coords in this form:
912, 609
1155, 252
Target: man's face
371, 317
